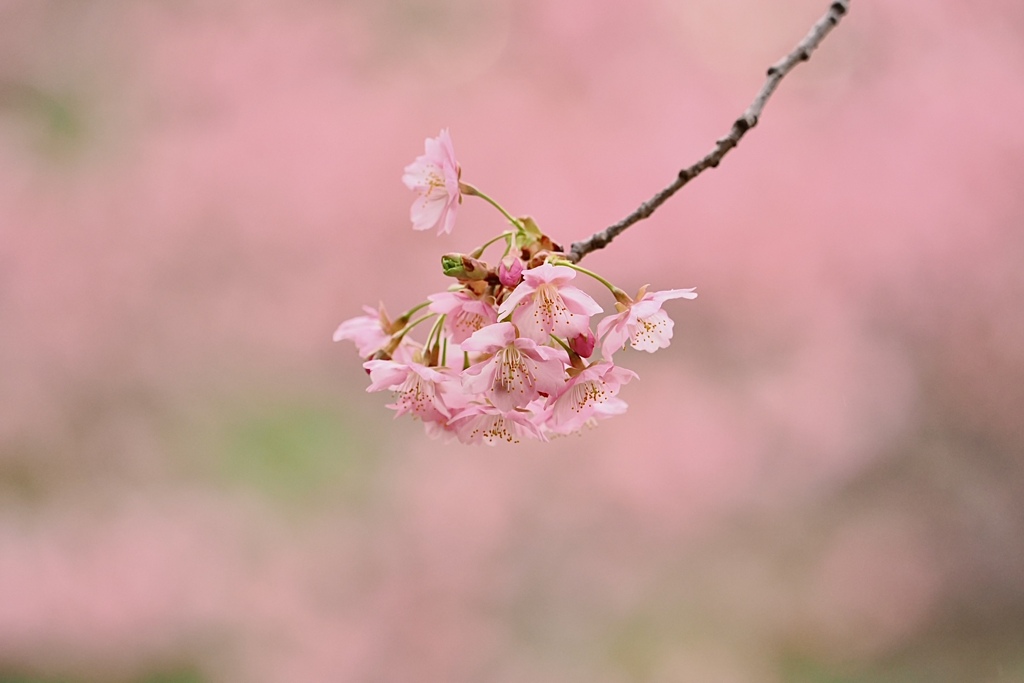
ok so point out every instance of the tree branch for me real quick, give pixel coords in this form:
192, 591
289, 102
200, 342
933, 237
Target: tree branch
749, 118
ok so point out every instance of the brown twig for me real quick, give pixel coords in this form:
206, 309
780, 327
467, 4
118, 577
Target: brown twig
776, 72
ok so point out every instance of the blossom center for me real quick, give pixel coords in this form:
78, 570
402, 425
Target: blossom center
495, 429
583, 394
435, 181
549, 306
514, 374
469, 321
415, 395
647, 330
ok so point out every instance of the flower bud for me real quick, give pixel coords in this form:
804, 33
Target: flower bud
463, 267
583, 343
510, 271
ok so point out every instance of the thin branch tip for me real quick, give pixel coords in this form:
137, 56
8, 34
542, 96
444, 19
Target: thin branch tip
774, 75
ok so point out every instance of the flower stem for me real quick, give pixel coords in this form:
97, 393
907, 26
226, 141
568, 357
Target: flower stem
479, 251
434, 338
405, 330
562, 344
615, 290
468, 189
408, 314
574, 358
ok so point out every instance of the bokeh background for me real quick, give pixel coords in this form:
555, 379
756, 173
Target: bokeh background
821, 480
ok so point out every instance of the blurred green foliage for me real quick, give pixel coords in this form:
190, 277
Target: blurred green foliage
53, 121
185, 674
293, 451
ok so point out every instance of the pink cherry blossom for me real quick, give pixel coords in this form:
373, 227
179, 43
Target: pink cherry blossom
483, 423
366, 331
465, 313
545, 304
516, 370
525, 376
644, 323
420, 390
435, 177
592, 393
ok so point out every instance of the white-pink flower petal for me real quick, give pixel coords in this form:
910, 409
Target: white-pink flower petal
545, 304
644, 324
487, 424
465, 313
365, 331
517, 370
419, 390
585, 394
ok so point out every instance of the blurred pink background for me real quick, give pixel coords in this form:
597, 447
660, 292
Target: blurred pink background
820, 481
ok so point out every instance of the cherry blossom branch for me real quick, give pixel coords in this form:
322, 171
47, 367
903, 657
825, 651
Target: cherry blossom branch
749, 118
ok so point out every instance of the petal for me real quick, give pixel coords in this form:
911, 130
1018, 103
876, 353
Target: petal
549, 376
528, 424
506, 401
607, 322
354, 327
618, 376
446, 148
485, 424
616, 332
645, 308
533, 327
491, 338
447, 221
570, 325
578, 301
426, 212
518, 294
385, 374
444, 302
545, 353
547, 272
415, 175
478, 379
429, 374
667, 294
653, 332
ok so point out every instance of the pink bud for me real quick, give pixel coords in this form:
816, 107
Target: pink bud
583, 343
510, 271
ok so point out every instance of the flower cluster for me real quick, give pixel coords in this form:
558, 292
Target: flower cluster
511, 350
